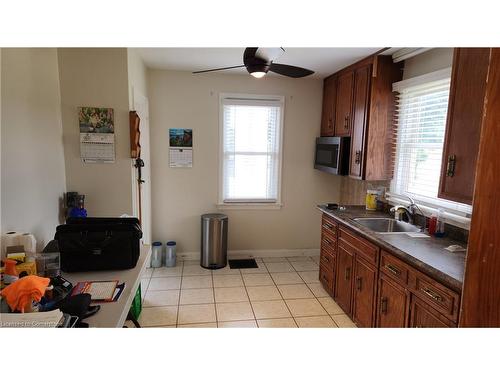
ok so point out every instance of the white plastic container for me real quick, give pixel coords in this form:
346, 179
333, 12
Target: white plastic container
170, 254
156, 255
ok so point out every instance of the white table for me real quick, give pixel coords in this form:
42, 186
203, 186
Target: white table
114, 314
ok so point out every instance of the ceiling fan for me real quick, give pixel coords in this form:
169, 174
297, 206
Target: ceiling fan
258, 61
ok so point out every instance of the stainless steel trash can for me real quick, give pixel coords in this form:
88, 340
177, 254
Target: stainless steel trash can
214, 241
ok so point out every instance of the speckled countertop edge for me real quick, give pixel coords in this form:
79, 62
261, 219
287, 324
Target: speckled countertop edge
346, 219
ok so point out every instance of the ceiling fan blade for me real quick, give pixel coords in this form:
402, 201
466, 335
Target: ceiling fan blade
269, 54
290, 71
217, 69
249, 54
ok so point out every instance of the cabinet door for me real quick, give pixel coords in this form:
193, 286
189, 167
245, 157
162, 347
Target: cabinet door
393, 301
343, 112
360, 118
424, 316
463, 126
329, 102
364, 293
343, 285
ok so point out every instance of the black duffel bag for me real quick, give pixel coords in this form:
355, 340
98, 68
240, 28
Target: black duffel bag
95, 244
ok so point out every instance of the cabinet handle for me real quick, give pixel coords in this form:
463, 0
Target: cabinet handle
358, 283
326, 259
383, 305
327, 226
433, 295
393, 269
346, 122
330, 122
347, 273
328, 242
357, 159
450, 169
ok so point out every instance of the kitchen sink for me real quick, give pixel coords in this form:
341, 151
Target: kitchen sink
386, 225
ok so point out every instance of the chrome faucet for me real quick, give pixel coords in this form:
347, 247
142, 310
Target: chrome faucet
409, 210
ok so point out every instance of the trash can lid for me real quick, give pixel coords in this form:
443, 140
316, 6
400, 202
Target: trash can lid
214, 216
157, 243
171, 243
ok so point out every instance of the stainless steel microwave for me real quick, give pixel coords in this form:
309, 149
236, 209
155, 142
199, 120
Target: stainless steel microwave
332, 155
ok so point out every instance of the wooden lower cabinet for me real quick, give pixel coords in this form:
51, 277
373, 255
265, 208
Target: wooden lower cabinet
343, 282
424, 316
393, 304
377, 289
364, 292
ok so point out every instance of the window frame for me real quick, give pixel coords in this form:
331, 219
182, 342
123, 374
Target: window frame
456, 213
250, 203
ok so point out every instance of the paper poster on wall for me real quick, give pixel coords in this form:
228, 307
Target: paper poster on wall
181, 148
97, 135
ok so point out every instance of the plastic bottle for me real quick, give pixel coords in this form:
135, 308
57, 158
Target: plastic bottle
156, 255
432, 224
170, 254
440, 223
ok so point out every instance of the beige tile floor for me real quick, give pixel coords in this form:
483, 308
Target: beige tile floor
282, 292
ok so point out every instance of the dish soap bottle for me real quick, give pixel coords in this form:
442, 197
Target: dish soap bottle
440, 223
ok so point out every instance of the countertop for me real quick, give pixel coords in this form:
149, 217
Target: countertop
427, 255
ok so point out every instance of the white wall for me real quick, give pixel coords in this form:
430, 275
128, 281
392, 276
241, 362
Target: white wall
97, 77
427, 62
180, 196
33, 174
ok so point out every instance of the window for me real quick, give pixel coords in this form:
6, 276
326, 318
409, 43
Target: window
422, 105
251, 133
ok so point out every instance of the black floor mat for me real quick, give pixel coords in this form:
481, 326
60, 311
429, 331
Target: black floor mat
243, 263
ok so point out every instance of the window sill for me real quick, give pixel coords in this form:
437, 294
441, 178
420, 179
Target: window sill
249, 206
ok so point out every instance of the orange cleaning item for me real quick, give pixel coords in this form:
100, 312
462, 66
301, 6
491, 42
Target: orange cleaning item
21, 293
10, 267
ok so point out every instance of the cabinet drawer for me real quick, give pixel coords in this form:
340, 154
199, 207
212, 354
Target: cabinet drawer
329, 226
326, 278
394, 268
327, 259
363, 248
328, 244
437, 295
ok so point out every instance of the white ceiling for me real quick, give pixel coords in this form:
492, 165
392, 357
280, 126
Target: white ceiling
323, 61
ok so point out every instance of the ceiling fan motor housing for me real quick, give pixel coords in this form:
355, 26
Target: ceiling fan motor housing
257, 65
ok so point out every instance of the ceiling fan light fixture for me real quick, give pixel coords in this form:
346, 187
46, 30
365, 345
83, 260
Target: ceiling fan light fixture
258, 74
258, 70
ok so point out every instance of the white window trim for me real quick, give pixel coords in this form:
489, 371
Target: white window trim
457, 214
249, 204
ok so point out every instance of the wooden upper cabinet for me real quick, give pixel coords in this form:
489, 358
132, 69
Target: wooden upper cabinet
463, 125
329, 103
365, 281
393, 304
360, 117
343, 110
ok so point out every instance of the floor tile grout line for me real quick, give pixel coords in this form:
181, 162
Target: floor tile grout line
215, 302
279, 291
179, 300
249, 301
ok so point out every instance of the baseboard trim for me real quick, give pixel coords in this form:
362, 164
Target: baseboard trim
236, 254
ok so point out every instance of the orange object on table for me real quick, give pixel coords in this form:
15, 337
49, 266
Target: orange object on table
10, 267
20, 294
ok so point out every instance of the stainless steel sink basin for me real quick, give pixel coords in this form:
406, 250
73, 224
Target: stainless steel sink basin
386, 225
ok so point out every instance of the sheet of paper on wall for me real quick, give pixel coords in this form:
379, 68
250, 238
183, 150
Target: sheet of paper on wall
181, 157
181, 148
97, 148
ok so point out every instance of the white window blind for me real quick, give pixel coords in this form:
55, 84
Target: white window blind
251, 149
